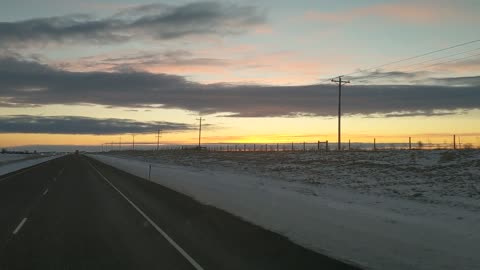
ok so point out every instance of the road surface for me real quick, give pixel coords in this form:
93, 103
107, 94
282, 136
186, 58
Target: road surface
77, 213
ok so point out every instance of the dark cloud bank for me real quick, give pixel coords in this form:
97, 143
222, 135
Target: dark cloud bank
27, 83
156, 21
82, 125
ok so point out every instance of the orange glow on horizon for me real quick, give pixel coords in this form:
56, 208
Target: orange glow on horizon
13, 140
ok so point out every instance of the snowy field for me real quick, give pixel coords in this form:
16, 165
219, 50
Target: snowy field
380, 210
436, 177
14, 162
8, 158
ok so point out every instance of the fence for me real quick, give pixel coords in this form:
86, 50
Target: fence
376, 144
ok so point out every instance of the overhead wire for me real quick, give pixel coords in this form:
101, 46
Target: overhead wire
414, 57
411, 58
423, 68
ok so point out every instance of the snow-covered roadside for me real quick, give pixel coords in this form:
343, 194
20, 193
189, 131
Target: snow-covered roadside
18, 165
372, 231
8, 158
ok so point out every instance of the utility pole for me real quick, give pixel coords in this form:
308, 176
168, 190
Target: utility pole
200, 132
120, 144
340, 83
158, 138
133, 142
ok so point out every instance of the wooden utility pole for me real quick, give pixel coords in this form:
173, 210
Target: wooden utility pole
454, 142
200, 132
409, 143
340, 83
158, 139
133, 142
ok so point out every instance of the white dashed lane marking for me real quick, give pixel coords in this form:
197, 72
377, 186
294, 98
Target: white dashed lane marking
20, 226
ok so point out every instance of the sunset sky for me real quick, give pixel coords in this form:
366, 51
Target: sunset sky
90, 72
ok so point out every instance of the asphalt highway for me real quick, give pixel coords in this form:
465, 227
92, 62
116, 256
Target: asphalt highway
77, 213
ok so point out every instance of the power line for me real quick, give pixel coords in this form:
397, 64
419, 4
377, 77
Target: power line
424, 67
414, 57
405, 59
421, 63
443, 57
380, 75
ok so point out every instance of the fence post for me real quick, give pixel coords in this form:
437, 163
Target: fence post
454, 143
292, 146
374, 144
326, 145
409, 143
149, 172
349, 145
318, 145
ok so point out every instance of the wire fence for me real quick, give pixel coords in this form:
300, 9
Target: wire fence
411, 143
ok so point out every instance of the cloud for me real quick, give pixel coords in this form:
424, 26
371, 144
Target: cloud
156, 21
209, 65
406, 13
414, 77
171, 59
390, 76
82, 125
417, 113
24, 83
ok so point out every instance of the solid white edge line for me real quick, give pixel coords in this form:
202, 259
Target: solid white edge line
45, 192
20, 226
164, 234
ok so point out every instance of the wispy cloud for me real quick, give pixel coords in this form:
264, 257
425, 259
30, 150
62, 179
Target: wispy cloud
156, 21
213, 66
82, 125
407, 13
169, 60
24, 83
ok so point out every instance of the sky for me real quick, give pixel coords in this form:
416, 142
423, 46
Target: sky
95, 71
